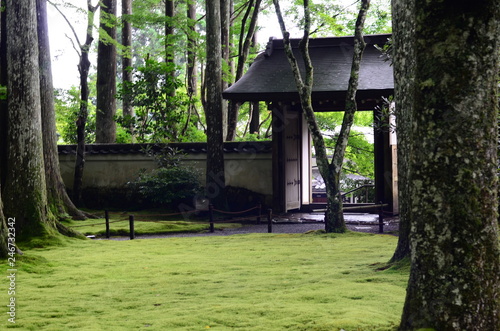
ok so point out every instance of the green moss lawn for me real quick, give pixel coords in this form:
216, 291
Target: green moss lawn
245, 282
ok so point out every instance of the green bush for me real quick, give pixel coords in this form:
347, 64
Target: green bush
168, 186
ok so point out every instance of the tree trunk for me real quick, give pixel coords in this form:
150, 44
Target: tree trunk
3, 100
215, 179
3, 134
225, 17
245, 42
192, 78
404, 67
455, 269
334, 218
81, 122
255, 118
106, 75
59, 201
24, 194
127, 76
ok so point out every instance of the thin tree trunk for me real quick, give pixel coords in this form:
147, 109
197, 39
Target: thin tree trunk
106, 75
191, 76
255, 118
169, 42
335, 220
25, 189
59, 201
128, 109
225, 14
81, 122
215, 180
455, 267
404, 67
246, 40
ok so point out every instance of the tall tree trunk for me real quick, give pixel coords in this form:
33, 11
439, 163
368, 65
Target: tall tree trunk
3, 132
24, 194
169, 43
59, 201
3, 99
255, 118
192, 78
245, 42
225, 14
81, 122
404, 66
215, 180
106, 75
455, 268
334, 218
128, 109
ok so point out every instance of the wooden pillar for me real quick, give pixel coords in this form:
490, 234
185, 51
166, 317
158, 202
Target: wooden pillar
383, 161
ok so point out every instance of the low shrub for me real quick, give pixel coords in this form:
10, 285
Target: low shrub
168, 186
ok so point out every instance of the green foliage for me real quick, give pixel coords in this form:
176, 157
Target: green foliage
168, 185
359, 152
159, 107
3, 92
247, 282
67, 107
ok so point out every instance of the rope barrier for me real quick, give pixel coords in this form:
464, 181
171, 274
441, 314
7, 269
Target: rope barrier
235, 212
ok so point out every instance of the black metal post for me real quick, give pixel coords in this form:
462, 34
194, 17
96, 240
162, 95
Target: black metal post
381, 219
131, 223
269, 221
211, 212
106, 215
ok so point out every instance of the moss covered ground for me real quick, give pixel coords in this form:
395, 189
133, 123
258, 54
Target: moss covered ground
246, 282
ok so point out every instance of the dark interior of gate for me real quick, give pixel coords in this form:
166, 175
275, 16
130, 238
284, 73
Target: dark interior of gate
270, 79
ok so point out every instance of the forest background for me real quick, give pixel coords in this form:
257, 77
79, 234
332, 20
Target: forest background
181, 108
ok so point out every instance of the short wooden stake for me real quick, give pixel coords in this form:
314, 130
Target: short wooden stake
131, 223
269, 221
106, 215
211, 212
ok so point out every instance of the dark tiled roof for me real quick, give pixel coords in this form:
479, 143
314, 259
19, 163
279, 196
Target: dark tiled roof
194, 148
270, 78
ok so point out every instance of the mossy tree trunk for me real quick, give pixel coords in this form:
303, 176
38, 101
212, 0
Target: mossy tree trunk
58, 199
106, 75
24, 194
403, 60
455, 270
334, 217
215, 178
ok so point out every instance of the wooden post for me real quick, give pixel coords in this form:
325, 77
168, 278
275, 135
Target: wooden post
131, 223
259, 207
211, 210
381, 219
106, 215
269, 221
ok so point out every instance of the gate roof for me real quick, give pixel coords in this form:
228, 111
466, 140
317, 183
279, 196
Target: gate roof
270, 77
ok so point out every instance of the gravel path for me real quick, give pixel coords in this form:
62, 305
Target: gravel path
390, 227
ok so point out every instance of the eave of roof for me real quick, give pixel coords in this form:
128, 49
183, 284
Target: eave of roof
270, 78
